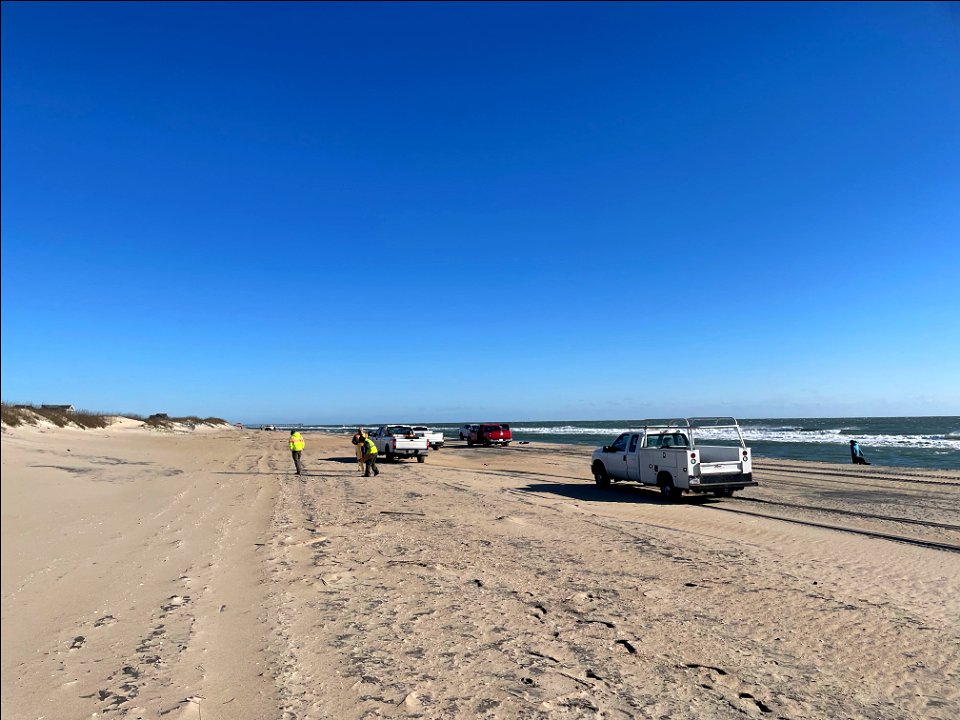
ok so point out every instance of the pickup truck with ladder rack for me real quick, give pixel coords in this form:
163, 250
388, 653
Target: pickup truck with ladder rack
669, 455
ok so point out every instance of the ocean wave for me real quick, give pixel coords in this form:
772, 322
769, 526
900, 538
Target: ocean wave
817, 436
767, 433
569, 430
843, 437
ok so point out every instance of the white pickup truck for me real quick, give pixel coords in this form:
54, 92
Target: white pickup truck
397, 441
670, 455
434, 437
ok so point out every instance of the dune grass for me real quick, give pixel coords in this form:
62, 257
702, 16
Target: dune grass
17, 414
26, 414
161, 421
10, 415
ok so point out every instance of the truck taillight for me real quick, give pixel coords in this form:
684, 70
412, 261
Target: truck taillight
744, 455
693, 457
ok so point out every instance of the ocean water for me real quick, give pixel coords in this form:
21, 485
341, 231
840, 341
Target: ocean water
922, 442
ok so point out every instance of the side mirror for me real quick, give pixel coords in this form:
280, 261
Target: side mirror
606, 448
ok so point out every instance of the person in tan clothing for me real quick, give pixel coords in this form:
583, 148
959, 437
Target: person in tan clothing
358, 438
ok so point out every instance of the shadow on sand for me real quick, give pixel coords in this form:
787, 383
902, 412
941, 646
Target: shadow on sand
621, 493
273, 473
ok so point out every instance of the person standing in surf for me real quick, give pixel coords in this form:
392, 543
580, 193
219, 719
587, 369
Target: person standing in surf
856, 454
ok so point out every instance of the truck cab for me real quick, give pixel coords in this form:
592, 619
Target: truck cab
669, 455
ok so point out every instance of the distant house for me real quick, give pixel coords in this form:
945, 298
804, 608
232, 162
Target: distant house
64, 408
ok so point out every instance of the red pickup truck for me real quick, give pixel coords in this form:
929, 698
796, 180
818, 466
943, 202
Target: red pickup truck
490, 434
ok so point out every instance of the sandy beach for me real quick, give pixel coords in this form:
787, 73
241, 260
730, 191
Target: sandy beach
193, 575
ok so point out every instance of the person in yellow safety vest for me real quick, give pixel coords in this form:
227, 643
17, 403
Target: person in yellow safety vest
369, 457
296, 447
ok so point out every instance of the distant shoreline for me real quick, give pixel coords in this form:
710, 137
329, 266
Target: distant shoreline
909, 442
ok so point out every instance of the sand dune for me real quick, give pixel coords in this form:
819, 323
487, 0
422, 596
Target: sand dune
193, 575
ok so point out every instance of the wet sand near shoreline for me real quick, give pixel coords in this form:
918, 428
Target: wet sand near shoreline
194, 575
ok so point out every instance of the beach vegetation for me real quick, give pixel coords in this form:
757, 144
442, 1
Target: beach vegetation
11, 415
162, 421
18, 414
15, 415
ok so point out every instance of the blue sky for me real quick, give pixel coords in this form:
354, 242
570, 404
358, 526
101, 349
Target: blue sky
342, 212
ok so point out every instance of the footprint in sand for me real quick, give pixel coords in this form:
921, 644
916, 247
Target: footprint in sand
659, 593
78, 642
341, 579
175, 602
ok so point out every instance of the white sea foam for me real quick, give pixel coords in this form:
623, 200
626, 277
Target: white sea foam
834, 436
568, 430
774, 433
827, 436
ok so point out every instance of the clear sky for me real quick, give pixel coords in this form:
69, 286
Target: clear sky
341, 212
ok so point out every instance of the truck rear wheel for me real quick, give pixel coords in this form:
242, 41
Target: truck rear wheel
390, 455
421, 457
600, 475
667, 488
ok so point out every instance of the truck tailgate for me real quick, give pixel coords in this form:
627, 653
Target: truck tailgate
411, 444
720, 468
